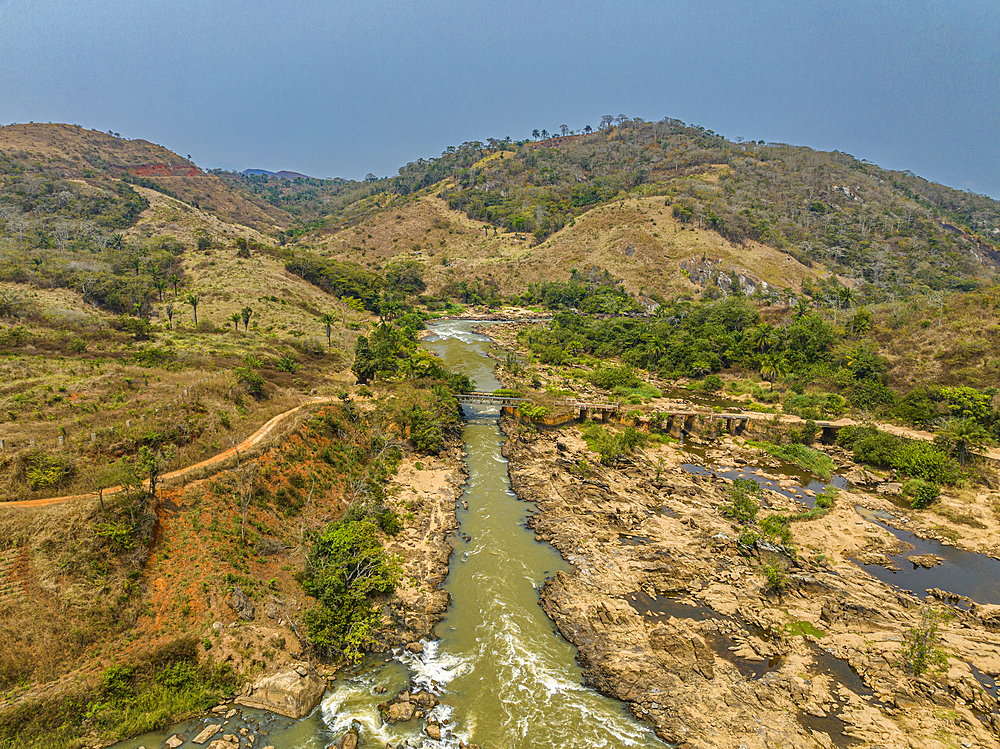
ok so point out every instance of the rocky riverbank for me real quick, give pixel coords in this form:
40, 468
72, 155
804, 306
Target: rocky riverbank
424, 492
673, 617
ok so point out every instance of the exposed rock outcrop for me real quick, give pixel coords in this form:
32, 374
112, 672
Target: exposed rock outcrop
290, 692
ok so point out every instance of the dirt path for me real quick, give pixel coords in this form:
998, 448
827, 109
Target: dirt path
254, 439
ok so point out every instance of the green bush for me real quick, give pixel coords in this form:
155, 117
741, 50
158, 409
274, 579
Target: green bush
251, 382
610, 378
775, 575
346, 570
804, 457
913, 458
920, 493
743, 501
712, 384
776, 526
286, 364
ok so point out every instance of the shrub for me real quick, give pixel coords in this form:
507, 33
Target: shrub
920, 493
776, 526
286, 364
251, 382
920, 644
712, 383
804, 457
743, 501
610, 378
775, 576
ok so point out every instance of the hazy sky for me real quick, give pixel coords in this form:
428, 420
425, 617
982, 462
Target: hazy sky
331, 88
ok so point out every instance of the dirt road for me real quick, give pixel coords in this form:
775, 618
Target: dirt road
254, 439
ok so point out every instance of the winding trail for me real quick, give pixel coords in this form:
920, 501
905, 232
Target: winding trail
254, 439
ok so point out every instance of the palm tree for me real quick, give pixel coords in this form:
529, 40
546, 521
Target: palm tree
328, 319
245, 314
772, 367
801, 308
174, 280
169, 309
160, 285
760, 337
961, 435
193, 300
235, 317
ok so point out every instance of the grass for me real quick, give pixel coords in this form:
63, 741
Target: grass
803, 628
804, 457
164, 687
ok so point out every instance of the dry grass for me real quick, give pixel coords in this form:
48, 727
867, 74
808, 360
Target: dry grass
74, 151
636, 239
963, 349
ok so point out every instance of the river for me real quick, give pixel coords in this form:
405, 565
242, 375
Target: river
505, 677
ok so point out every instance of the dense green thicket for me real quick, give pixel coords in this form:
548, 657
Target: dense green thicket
592, 291
346, 571
357, 286
912, 458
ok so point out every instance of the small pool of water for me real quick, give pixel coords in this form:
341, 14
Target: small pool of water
966, 573
762, 478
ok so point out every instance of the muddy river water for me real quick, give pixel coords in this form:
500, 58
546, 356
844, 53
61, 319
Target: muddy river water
504, 676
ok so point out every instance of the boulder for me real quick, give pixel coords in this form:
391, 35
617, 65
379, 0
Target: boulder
434, 731
400, 712
348, 741
241, 604
208, 732
174, 741
925, 560
287, 693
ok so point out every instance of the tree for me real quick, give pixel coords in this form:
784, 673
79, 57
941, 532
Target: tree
535, 134
235, 317
920, 644
169, 309
328, 319
588, 129
346, 570
174, 280
246, 313
961, 436
606, 121
801, 308
160, 285
545, 133
772, 367
193, 300
245, 473
564, 129
204, 243
150, 464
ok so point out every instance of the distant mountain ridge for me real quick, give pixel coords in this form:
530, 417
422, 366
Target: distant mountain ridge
283, 174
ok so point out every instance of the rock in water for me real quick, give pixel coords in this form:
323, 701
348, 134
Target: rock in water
207, 733
400, 712
349, 741
925, 560
286, 693
242, 605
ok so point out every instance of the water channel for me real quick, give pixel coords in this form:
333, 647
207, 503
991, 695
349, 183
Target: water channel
505, 677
